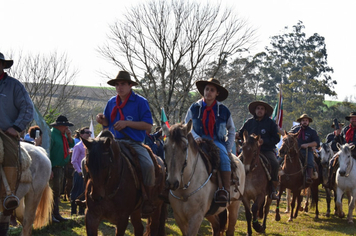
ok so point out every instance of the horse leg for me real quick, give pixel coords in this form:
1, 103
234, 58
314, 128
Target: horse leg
288, 197
91, 223
121, 225
328, 200
255, 207
292, 205
299, 201
339, 211
248, 215
153, 222
351, 208
306, 204
233, 214
267, 205
215, 224
137, 223
278, 216
315, 196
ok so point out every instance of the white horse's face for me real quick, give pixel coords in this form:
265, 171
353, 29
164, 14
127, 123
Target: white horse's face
326, 153
345, 158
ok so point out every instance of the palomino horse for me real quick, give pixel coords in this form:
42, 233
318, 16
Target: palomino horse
257, 186
192, 190
346, 180
326, 153
113, 190
36, 195
293, 176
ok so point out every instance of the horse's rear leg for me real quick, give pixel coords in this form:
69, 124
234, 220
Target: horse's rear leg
233, 214
136, 223
215, 225
328, 200
153, 223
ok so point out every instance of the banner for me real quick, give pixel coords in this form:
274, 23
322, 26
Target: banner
91, 128
278, 111
164, 117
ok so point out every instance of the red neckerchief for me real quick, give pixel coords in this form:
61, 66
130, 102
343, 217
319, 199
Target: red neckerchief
350, 134
65, 146
2, 75
119, 107
211, 123
301, 133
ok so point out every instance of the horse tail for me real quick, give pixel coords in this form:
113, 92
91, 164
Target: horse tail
44, 209
223, 220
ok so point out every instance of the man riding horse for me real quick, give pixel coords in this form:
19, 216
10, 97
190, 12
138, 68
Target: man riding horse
335, 137
261, 124
307, 139
16, 112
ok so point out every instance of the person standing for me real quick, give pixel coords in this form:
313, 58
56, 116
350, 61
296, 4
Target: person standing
78, 183
212, 120
16, 112
128, 116
307, 139
261, 124
61, 142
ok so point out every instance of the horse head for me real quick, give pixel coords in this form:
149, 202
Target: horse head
250, 149
289, 145
326, 153
176, 151
345, 158
99, 162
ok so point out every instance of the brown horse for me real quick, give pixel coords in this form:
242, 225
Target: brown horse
293, 176
113, 190
257, 186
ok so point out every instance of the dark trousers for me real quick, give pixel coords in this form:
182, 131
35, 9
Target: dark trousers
272, 158
77, 190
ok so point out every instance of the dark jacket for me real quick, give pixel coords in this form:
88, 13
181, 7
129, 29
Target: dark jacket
310, 135
266, 127
334, 140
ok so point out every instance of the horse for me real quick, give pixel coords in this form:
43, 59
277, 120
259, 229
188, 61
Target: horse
191, 187
346, 180
35, 195
257, 187
292, 176
326, 153
114, 188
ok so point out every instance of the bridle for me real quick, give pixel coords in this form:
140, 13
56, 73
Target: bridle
287, 144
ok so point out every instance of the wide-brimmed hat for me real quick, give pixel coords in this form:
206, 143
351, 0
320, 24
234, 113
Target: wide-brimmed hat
352, 114
252, 107
7, 63
122, 76
340, 124
223, 93
304, 116
61, 121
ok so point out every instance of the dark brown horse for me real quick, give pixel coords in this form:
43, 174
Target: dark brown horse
113, 190
257, 186
293, 176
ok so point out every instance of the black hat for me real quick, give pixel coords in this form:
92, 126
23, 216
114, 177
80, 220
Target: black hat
252, 107
7, 63
122, 76
340, 124
223, 93
352, 114
61, 121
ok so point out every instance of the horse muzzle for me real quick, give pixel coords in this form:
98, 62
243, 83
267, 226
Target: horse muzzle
342, 172
172, 186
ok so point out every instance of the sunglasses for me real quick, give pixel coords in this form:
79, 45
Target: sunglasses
88, 132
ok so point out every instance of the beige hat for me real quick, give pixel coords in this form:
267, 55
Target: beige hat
304, 116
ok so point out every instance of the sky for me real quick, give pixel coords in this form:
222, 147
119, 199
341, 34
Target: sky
77, 28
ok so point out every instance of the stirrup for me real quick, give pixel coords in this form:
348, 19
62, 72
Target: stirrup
8, 202
217, 193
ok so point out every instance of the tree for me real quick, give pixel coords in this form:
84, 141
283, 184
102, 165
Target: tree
167, 45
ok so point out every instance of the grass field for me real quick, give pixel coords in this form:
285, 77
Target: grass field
305, 224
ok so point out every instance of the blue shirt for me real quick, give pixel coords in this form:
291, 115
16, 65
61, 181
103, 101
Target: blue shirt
136, 109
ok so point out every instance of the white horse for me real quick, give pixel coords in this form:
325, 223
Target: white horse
36, 195
192, 190
346, 180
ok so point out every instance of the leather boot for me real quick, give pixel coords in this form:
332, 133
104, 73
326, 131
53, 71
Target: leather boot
147, 206
55, 212
11, 201
223, 195
308, 178
274, 185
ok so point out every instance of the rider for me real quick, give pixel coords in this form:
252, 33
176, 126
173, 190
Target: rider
261, 124
16, 112
335, 137
128, 116
211, 120
307, 139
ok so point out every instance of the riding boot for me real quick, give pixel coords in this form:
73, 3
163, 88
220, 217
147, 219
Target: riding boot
223, 195
147, 206
73, 207
55, 212
274, 185
308, 178
11, 202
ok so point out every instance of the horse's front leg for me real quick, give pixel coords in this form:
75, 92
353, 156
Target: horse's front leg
292, 206
328, 201
91, 223
280, 192
215, 224
267, 205
351, 208
136, 222
255, 207
246, 203
299, 198
233, 214
339, 211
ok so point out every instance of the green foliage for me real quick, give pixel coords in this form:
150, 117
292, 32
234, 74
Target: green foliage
51, 116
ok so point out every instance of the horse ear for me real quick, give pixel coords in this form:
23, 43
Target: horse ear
338, 146
88, 143
352, 146
245, 135
107, 143
165, 130
189, 125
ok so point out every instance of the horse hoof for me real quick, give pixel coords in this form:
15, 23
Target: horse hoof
277, 218
350, 222
306, 209
290, 220
342, 215
301, 208
257, 227
327, 214
286, 211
